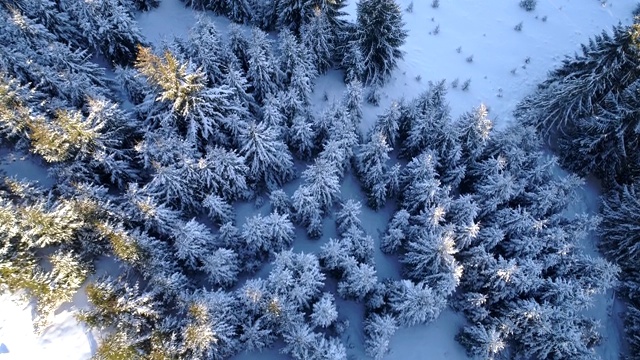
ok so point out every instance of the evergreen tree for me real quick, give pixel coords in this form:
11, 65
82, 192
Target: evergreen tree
372, 168
300, 341
219, 210
207, 50
321, 183
224, 173
359, 280
426, 123
296, 278
269, 161
240, 11
414, 304
347, 217
192, 241
262, 72
353, 62
620, 217
397, 232
294, 59
352, 102
318, 38
221, 267
108, 27
379, 329
324, 311
301, 137
430, 257
280, 202
292, 14
474, 129
307, 210
239, 46
388, 124
482, 341
603, 70
380, 35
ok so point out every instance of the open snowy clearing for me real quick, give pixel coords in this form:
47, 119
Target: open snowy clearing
503, 64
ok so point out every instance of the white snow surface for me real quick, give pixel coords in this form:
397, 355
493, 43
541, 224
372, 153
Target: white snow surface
482, 29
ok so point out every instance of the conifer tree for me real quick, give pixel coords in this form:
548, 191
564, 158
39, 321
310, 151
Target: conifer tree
240, 11
108, 27
414, 304
267, 157
317, 36
379, 329
371, 166
262, 71
380, 35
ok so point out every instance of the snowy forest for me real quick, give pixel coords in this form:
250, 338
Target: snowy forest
199, 167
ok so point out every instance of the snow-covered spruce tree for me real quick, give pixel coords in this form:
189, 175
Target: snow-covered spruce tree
605, 143
224, 173
324, 311
54, 19
218, 209
294, 14
380, 34
302, 137
358, 280
108, 27
262, 72
200, 113
620, 217
482, 341
208, 329
207, 50
238, 44
307, 211
348, 216
142, 209
270, 162
265, 235
32, 55
379, 329
473, 129
397, 232
296, 278
293, 57
240, 11
192, 241
372, 168
421, 189
388, 123
415, 303
430, 257
352, 102
221, 267
353, 62
321, 182
300, 341
318, 38
133, 313
604, 69
425, 121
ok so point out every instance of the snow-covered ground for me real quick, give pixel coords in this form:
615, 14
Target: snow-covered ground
505, 66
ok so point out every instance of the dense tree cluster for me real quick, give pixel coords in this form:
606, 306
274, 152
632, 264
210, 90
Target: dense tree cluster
481, 216
588, 108
154, 167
